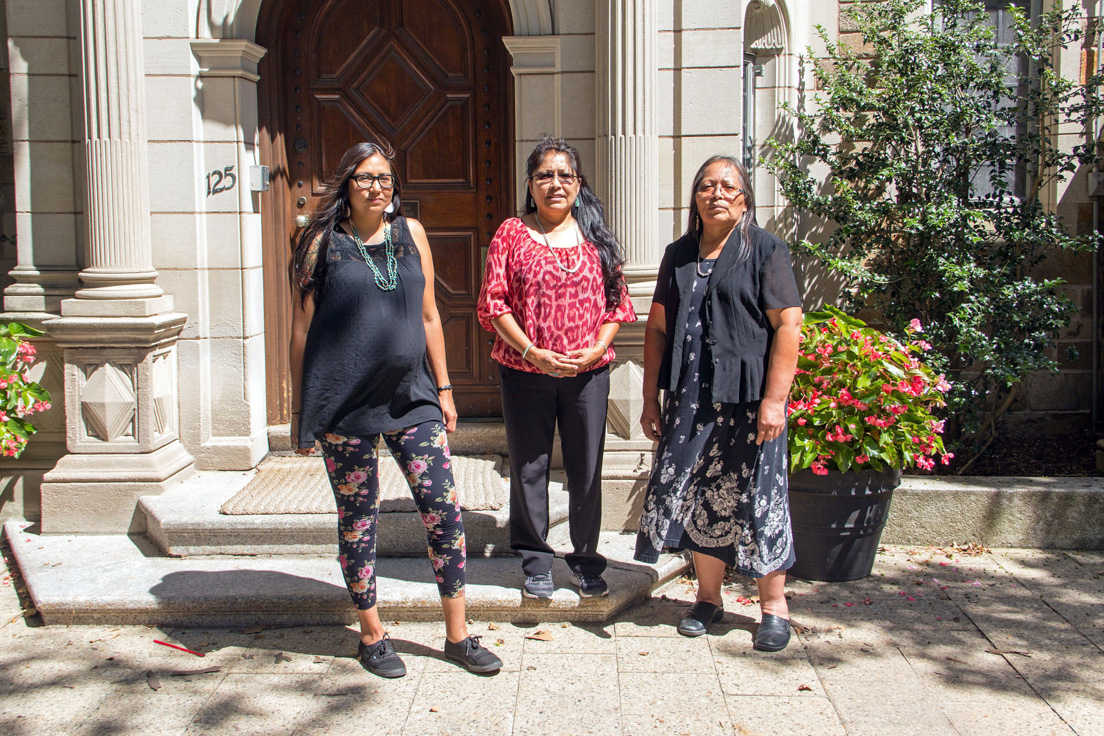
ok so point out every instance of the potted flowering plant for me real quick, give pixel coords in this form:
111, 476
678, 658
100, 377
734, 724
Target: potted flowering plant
861, 409
19, 395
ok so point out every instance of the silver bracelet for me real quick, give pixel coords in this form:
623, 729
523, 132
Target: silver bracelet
605, 347
527, 350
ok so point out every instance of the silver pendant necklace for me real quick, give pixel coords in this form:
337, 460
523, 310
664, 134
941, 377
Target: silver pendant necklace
389, 282
552, 250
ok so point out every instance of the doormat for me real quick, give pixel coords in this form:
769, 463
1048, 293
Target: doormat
298, 485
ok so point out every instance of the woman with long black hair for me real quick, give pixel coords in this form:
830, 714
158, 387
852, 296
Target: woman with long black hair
368, 360
554, 294
721, 342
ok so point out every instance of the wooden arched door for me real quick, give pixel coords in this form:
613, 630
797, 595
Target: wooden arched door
432, 78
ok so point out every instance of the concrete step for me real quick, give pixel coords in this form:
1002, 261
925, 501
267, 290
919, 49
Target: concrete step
185, 521
120, 579
1059, 512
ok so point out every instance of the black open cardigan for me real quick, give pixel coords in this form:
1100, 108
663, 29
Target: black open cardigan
739, 294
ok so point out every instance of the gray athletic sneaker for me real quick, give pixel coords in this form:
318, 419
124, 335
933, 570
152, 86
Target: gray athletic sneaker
538, 586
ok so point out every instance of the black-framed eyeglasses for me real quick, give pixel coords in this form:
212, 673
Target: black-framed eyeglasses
544, 178
727, 188
365, 181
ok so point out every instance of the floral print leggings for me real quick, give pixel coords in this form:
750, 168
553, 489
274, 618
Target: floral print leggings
423, 455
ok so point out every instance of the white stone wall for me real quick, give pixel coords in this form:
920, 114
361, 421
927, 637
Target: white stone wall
207, 247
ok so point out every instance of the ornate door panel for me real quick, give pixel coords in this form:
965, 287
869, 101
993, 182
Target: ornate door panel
431, 77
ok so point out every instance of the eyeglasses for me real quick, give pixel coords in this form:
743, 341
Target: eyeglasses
726, 188
544, 178
365, 181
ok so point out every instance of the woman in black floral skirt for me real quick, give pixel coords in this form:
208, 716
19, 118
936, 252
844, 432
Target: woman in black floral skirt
721, 341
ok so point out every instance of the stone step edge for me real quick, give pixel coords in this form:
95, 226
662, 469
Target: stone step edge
185, 521
117, 582
1024, 512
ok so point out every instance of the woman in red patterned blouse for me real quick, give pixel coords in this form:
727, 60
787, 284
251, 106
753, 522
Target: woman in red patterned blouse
554, 295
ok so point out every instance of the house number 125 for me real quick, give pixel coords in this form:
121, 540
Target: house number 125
221, 181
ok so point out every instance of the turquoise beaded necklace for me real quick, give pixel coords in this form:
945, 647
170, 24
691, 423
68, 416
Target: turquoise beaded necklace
389, 282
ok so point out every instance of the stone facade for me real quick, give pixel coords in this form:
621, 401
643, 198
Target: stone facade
151, 285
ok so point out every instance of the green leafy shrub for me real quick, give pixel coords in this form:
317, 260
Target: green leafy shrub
930, 157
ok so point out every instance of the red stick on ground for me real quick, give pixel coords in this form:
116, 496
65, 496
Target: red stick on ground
173, 646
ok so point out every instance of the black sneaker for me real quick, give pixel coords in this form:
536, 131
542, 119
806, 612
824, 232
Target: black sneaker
471, 654
538, 586
380, 658
589, 585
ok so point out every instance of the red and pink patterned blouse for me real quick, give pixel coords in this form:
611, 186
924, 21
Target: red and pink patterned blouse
558, 310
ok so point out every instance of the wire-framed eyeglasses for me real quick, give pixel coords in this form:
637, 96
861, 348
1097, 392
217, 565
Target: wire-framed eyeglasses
365, 181
545, 178
725, 188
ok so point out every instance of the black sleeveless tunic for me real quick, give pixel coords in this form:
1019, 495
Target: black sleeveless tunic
365, 369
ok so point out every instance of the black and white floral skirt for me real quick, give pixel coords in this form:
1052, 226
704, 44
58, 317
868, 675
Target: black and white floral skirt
713, 490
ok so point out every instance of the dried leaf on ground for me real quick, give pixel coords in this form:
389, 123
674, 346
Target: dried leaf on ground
1008, 651
256, 629
492, 626
319, 660
803, 688
281, 657
204, 671
499, 642
433, 709
540, 635
153, 681
956, 660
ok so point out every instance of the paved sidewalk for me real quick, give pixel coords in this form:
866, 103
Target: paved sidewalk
1005, 642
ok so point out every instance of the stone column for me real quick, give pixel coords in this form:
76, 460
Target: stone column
627, 136
627, 180
119, 332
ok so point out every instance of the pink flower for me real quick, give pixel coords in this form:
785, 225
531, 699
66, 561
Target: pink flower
357, 477
946, 459
330, 465
922, 344
862, 459
417, 466
431, 519
366, 572
915, 325
801, 421
360, 524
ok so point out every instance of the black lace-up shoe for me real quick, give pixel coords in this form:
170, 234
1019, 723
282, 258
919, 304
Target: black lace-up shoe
471, 654
773, 634
380, 658
539, 586
698, 617
589, 585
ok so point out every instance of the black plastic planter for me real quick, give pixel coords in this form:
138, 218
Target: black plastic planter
838, 520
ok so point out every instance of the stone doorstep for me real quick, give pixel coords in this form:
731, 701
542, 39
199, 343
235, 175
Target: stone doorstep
185, 521
1060, 513
117, 579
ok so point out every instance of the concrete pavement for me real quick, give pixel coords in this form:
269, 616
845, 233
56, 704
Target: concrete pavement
935, 642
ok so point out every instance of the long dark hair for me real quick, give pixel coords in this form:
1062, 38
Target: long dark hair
589, 213
694, 224
332, 209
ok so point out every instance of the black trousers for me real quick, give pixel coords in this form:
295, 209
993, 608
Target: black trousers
532, 404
